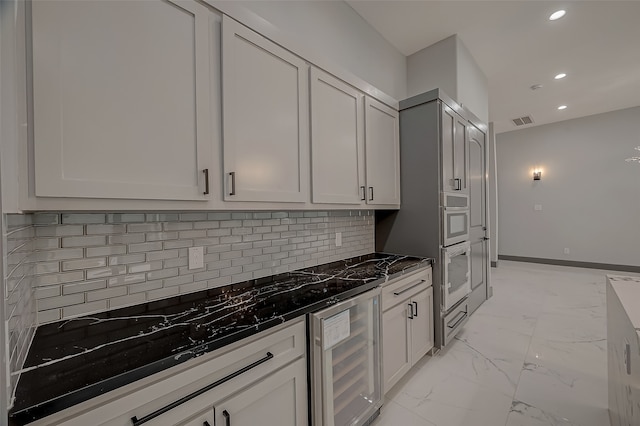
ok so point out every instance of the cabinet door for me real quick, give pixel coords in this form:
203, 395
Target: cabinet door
454, 160
265, 118
382, 153
121, 99
396, 356
278, 400
337, 141
422, 324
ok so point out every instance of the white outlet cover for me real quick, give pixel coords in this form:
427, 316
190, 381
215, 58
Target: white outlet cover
196, 257
338, 239
537, 207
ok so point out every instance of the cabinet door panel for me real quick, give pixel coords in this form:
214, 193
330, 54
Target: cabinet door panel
337, 140
448, 148
422, 324
460, 153
265, 120
277, 400
382, 153
395, 344
121, 99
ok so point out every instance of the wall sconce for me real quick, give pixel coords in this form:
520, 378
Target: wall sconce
537, 174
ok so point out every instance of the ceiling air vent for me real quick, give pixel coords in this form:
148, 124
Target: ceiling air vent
521, 121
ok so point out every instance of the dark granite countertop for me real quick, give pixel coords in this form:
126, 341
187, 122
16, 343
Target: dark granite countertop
75, 360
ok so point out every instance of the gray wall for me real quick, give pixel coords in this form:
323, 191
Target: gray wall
336, 31
448, 65
590, 196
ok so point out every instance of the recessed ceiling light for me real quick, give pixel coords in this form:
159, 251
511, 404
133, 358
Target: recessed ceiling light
562, 107
559, 76
557, 15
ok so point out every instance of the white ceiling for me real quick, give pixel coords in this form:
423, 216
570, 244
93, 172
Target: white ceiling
597, 44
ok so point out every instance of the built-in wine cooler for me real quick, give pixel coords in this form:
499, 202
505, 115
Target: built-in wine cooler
345, 357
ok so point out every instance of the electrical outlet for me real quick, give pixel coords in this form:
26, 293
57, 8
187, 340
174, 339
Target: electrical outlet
537, 207
338, 239
566, 250
196, 257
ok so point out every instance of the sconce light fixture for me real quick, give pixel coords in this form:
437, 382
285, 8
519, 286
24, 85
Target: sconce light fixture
537, 174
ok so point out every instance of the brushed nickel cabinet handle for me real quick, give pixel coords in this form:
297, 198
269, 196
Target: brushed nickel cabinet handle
364, 195
371, 193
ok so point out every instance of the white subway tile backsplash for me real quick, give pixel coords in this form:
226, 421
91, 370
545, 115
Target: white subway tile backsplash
84, 309
60, 301
145, 267
84, 286
83, 263
106, 229
177, 244
193, 217
67, 277
107, 293
126, 279
144, 247
46, 292
162, 273
106, 272
125, 217
164, 254
95, 262
127, 259
105, 251
132, 299
177, 226
162, 293
182, 279
126, 238
83, 218
58, 231
161, 236
49, 316
218, 216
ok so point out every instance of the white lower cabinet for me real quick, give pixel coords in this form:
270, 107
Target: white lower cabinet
278, 400
407, 324
262, 380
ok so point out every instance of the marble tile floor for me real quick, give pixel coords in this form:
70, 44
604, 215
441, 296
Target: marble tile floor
533, 355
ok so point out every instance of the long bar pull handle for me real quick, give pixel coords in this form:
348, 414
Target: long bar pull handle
416, 312
232, 176
460, 317
364, 193
227, 418
206, 181
398, 293
410, 310
138, 422
371, 193
457, 184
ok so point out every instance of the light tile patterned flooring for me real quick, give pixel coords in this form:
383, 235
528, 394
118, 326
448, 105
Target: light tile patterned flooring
533, 355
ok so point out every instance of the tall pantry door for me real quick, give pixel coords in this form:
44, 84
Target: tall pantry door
478, 231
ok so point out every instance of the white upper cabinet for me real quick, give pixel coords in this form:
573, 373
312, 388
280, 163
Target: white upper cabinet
121, 99
265, 118
337, 141
382, 153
